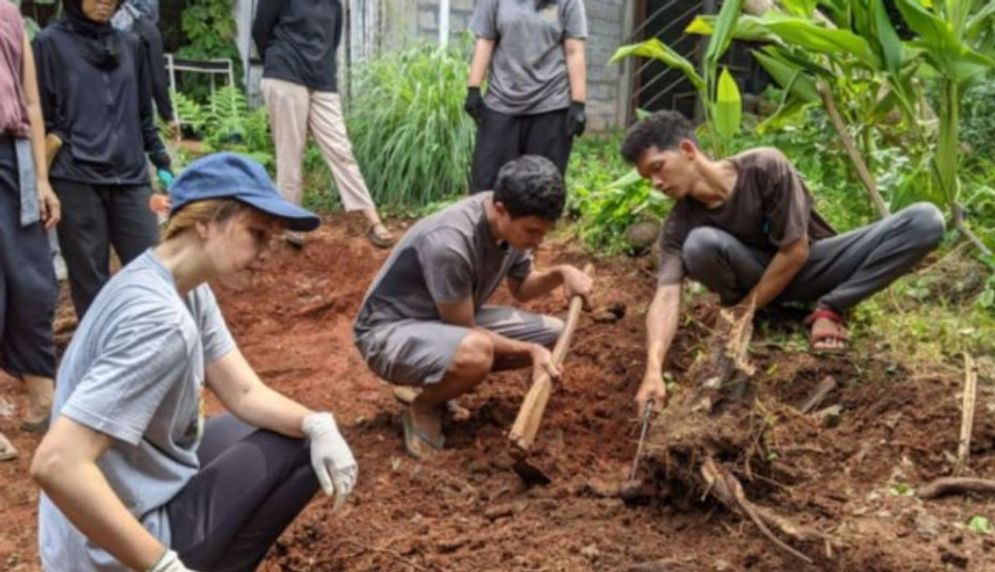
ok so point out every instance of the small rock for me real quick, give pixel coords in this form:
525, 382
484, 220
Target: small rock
600, 488
953, 557
927, 526
721, 566
590, 552
450, 545
830, 416
503, 510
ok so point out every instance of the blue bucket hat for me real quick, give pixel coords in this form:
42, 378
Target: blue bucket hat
231, 176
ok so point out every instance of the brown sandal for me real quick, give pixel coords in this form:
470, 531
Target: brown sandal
377, 239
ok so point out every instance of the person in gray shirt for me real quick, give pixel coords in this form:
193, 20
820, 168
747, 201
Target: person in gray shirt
132, 477
424, 321
532, 52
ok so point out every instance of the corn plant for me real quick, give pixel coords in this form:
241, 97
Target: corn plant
718, 93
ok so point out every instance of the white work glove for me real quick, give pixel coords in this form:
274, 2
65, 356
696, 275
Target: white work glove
169, 562
331, 457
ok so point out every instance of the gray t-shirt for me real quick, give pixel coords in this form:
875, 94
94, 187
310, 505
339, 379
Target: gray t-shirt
528, 73
447, 257
135, 371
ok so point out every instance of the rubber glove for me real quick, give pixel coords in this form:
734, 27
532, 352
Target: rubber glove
165, 178
474, 104
169, 562
331, 457
576, 119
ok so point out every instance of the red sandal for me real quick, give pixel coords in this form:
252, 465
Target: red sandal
838, 333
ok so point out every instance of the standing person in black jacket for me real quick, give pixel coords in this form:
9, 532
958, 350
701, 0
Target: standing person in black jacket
131, 18
297, 40
94, 83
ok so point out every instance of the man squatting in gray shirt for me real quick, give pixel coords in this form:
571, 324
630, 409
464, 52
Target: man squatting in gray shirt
425, 322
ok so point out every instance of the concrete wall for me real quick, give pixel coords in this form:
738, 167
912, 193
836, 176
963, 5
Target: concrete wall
606, 22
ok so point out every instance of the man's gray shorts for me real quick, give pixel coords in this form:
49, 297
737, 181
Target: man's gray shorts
416, 352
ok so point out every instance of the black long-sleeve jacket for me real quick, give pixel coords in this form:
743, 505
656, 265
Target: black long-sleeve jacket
103, 117
297, 40
154, 53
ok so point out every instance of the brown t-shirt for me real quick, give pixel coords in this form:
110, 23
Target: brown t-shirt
769, 207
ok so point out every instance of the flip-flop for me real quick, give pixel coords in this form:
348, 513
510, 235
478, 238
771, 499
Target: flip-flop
39, 426
378, 240
7, 450
406, 395
413, 434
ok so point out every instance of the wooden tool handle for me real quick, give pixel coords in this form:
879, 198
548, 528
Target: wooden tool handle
523, 431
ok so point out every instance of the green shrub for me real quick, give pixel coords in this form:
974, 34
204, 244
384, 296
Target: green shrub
979, 119
409, 132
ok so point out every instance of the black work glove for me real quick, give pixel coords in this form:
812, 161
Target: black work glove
474, 104
576, 119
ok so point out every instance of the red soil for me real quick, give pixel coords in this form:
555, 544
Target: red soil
465, 509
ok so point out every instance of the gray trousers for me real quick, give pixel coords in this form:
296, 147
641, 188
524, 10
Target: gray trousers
840, 271
252, 484
94, 218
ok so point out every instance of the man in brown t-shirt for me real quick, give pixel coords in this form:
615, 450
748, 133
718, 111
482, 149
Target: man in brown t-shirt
745, 227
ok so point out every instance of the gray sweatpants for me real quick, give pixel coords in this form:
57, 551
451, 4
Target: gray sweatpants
840, 271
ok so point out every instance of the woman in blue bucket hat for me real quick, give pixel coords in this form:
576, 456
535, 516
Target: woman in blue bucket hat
132, 476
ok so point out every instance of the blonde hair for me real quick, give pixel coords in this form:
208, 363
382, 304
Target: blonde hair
205, 211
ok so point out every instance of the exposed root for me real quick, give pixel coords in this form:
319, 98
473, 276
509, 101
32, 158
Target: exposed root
727, 489
956, 485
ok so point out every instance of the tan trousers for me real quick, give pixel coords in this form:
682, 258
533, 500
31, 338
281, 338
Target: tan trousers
293, 111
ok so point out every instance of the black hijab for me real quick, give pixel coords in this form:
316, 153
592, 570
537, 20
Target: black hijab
101, 43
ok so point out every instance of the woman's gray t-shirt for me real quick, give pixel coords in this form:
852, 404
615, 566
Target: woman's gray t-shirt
528, 73
135, 371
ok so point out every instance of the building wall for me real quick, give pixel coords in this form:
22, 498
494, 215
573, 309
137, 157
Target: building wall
606, 31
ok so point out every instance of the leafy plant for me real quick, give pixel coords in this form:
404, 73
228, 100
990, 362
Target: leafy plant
980, 525
229, 125
409, 132
718, 93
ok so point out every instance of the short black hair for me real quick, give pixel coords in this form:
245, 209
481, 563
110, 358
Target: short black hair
664, 129
530, 186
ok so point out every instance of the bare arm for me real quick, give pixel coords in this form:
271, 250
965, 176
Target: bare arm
576, 69
49, 204
248, 398
540, 282
661, 326
482, 53
65, 467
779, 273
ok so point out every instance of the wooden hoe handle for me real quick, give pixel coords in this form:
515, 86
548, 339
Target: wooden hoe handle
523, 431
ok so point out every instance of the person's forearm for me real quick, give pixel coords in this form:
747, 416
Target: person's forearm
32, 98
539, 283
266, 408
82, 493
576, 69
482, 53
779, 273
661, 325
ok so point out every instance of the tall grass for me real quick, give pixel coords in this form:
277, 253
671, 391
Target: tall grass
409, 132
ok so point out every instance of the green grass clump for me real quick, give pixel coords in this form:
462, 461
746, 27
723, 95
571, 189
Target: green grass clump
409, 132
